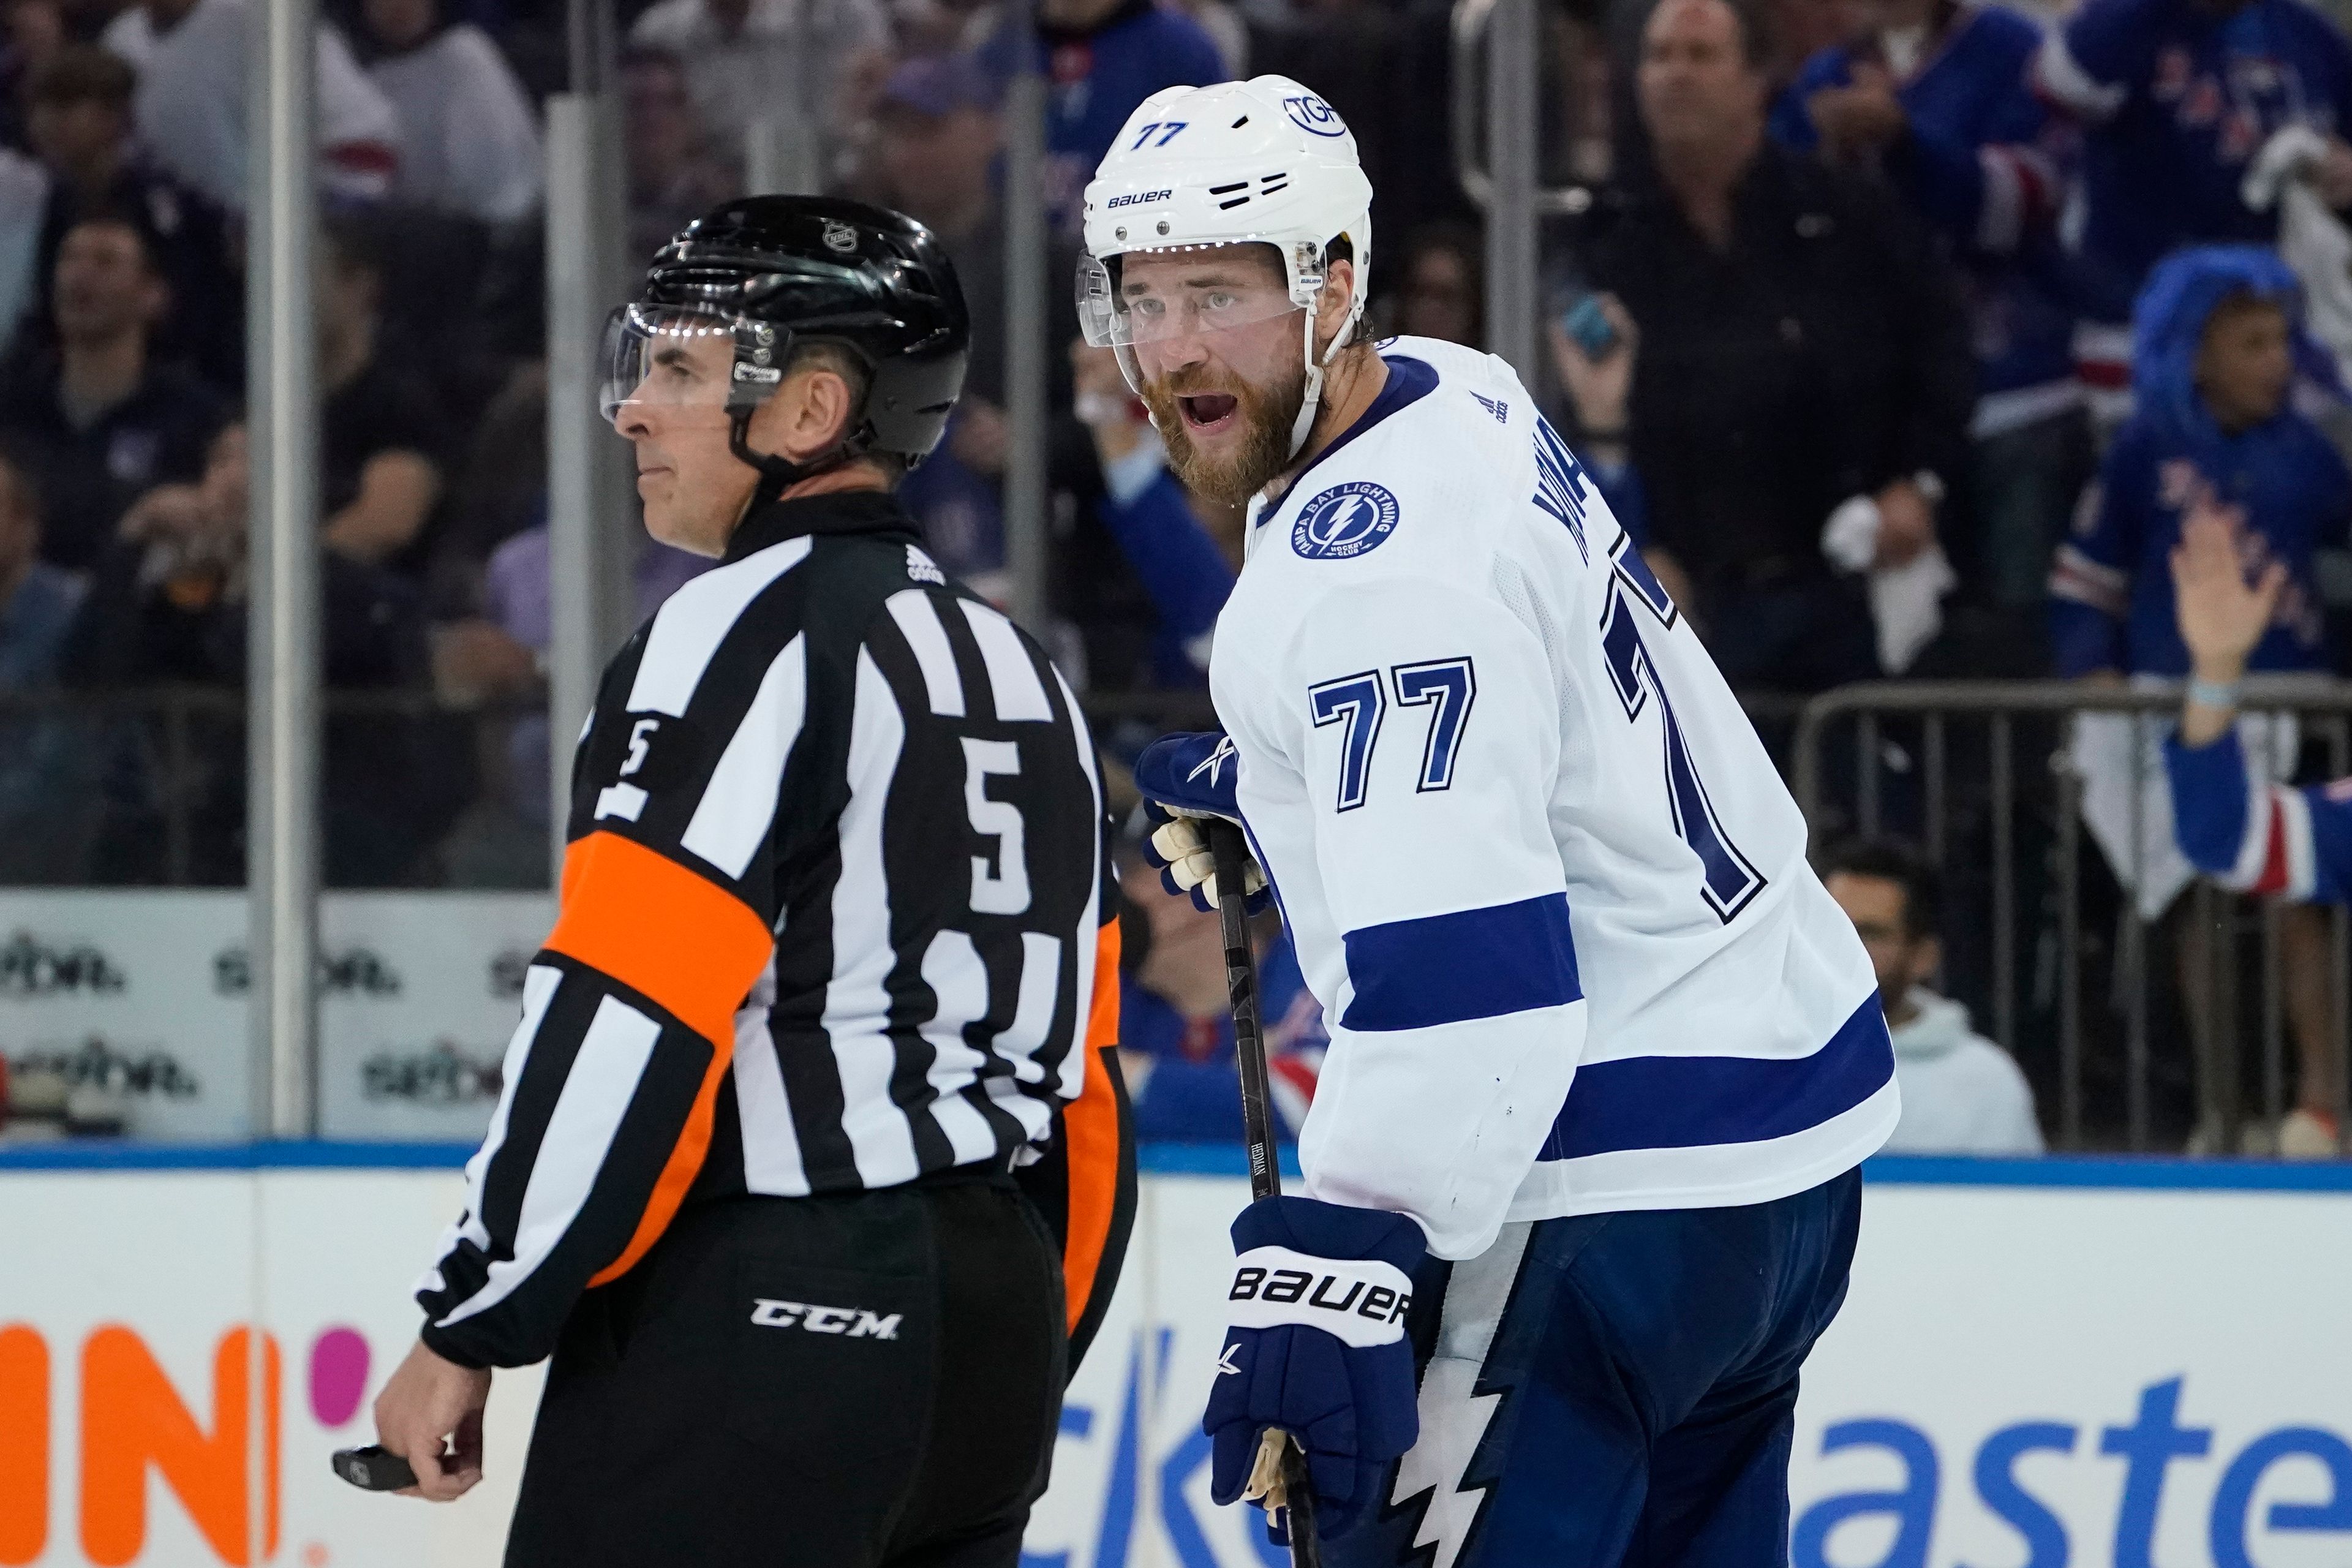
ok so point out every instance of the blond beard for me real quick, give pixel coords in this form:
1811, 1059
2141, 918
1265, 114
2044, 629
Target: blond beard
1267, 419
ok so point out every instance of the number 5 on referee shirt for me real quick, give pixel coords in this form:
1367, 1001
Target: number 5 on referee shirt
1001, 889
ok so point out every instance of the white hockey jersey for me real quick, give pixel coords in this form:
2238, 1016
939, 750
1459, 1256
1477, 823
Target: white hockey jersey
1538, 869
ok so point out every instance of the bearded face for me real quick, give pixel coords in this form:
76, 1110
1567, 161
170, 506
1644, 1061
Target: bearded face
1219, 354
1226, 439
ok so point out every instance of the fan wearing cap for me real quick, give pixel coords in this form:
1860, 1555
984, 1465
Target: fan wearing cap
829, 969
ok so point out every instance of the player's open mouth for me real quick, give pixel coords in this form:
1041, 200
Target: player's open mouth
1209, 412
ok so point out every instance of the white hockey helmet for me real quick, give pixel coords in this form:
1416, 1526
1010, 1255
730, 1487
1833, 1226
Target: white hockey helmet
1258, 161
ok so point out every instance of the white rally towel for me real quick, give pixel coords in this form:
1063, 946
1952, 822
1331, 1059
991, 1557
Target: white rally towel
2312, 239
2120, 757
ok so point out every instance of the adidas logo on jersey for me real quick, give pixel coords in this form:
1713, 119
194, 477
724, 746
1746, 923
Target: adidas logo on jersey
855, 1321
921, 568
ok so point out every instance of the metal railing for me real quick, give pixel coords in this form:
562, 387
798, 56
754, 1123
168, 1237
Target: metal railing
1978, 773
1985, 777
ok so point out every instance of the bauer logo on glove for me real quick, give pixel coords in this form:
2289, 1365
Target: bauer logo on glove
1316, 1347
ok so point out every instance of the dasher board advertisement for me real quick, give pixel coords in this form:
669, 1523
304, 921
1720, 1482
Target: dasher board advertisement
2040, 1364
142, 993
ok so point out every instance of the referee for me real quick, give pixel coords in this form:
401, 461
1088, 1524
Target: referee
830, 965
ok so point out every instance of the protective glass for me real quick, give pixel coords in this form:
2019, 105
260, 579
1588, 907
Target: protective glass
1224, 289
684, 356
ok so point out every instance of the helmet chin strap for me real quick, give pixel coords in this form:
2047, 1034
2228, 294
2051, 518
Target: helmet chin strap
777, 475
1312, 402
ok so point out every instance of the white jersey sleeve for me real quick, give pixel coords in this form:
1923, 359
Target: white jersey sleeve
1398, 771
1537, 866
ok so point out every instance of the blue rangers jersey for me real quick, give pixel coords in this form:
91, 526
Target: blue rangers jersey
2111, 585
1540, 871
2178, 98
2254, 835
1095, 76
1986, 163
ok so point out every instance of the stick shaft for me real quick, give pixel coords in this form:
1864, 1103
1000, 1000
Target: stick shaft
1230, 852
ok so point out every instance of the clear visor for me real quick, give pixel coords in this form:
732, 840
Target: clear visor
1181, 290
684, 356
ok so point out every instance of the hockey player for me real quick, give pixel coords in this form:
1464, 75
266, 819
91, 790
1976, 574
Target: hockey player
829, 965
1580, 1186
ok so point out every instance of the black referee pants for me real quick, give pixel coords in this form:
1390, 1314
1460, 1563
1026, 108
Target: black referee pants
865, 1381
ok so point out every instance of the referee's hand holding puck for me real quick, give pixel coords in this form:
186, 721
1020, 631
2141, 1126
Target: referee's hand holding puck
430, 1414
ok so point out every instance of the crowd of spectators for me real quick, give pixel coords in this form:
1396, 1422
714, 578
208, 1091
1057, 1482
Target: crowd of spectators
1841, 323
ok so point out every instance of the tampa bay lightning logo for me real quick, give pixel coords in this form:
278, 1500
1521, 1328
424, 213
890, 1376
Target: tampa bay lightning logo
1344, 522
1314, 116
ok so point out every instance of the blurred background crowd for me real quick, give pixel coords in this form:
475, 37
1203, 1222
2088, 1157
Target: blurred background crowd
1900, 332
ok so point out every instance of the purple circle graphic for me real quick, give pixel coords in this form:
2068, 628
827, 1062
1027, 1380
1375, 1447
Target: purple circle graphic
339, 1368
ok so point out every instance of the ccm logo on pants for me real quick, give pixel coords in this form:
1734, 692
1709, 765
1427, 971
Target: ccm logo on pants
855, 1321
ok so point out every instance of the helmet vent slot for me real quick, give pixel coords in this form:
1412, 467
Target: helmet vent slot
1227, 190
1229, 206
1237, 124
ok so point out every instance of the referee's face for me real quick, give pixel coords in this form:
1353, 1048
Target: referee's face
694, 488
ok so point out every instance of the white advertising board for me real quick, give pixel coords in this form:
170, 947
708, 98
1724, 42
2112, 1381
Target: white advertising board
144, 992
2023, 1377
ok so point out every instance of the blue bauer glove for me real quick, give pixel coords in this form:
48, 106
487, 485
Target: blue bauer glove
1317, 1348
1184, 781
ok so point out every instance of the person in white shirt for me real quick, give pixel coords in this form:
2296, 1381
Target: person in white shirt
190, 109
1962, 1094
469, 143
786, 62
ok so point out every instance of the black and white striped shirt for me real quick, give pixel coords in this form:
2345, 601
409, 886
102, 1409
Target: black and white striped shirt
828, 917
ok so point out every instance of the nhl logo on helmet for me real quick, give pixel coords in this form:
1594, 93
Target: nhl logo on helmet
1344, 522
1314, 116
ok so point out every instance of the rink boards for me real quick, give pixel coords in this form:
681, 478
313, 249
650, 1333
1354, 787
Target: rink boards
2061, 1362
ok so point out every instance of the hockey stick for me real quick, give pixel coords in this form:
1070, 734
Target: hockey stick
1280, 1473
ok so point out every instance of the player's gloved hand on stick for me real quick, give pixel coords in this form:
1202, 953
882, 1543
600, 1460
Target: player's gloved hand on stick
1317, 1348
1184, 781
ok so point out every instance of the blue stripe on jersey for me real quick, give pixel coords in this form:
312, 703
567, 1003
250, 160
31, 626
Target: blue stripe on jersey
1687, 1103
1472, 963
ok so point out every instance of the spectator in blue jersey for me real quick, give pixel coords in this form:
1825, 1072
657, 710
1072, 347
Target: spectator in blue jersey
1100, 59
2251, 834
1185, 576
1176, 1029
2178, 96
2212, 437
1932, 94
2213, 429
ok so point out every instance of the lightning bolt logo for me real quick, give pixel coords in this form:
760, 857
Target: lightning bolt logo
1458, 1405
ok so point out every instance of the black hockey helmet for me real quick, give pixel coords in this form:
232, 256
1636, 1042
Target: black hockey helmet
771, 273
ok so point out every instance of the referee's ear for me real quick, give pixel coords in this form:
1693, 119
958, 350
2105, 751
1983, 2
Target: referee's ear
808, 414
